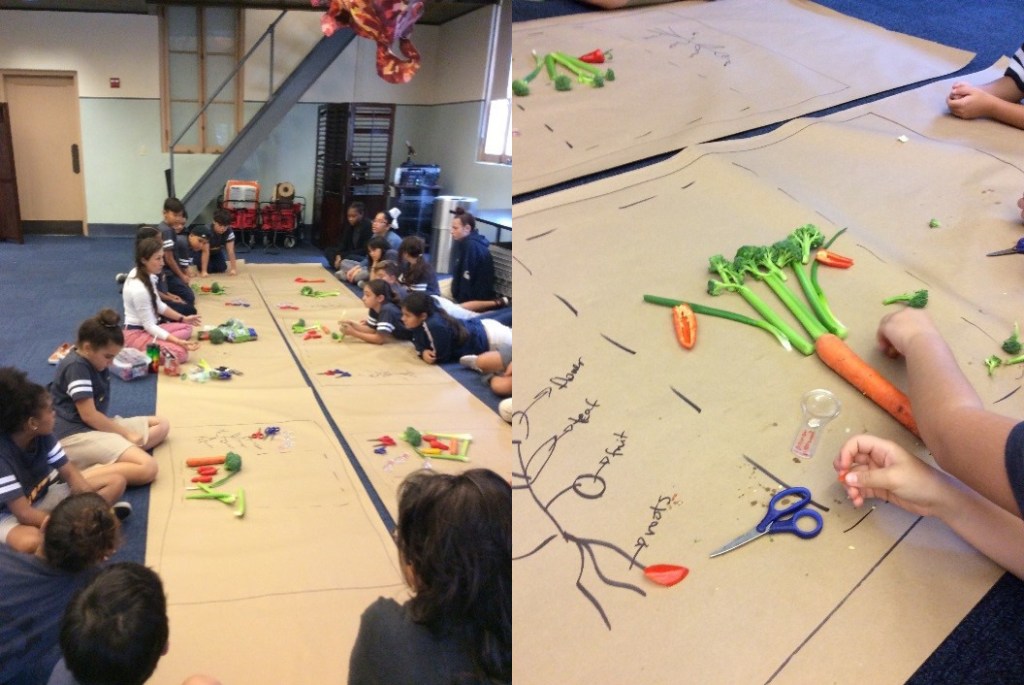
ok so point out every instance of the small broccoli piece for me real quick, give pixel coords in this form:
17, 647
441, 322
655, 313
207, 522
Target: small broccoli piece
412, 436
217, 336
992, 363
232, 462
563, 82
216, 288
1012, 344
520, 88
917, 300
609, 75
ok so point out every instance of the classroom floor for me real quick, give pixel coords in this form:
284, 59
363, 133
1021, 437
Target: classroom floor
315, 540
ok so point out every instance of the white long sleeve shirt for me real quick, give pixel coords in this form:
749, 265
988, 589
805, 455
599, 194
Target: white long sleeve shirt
138, 307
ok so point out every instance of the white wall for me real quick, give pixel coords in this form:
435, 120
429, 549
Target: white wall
124, 165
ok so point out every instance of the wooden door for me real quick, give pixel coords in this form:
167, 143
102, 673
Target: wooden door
10, 214
46, 133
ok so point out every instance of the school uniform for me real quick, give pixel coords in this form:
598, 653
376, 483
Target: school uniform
438, 335
473, 273
177, 244
425, 283
28, 473
218, 242
388, 321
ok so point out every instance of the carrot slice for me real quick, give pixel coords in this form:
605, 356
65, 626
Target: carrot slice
204, 461
838, 356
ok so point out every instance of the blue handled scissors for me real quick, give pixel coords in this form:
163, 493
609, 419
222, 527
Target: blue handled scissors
1018, 248
784, 520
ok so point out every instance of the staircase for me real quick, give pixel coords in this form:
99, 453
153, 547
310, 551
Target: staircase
211, 184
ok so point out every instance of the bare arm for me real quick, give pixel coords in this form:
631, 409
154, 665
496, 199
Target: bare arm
26, 514
966, 439
73, 477
881, 469
99, 421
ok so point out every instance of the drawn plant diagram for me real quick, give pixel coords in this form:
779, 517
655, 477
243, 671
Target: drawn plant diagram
586, 258
690, 73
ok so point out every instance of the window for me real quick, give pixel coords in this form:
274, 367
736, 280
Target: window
496, 124
200, 49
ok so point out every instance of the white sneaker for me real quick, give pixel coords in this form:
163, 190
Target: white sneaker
505, 409
469, 361
122, 509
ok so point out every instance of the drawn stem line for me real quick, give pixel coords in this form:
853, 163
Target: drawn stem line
566, 303
618, 344
860, 519
686, 399
1007, 395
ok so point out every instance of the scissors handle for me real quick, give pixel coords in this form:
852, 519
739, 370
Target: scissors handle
786, 519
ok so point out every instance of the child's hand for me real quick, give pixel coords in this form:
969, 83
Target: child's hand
968, 102
232, 272
171, 297
191, 345
429, 356
192, 319
895, 330
203, 274
869, 466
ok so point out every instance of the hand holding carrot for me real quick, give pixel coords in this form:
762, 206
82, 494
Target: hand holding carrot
869, 466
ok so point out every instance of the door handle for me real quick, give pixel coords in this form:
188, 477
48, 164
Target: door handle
75, 166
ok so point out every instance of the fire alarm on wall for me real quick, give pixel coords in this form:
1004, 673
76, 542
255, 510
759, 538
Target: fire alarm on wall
115, 82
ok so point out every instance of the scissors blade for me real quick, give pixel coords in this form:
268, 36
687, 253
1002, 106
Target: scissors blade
749, 536
1009, 250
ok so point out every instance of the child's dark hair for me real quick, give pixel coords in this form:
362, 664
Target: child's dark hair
144, 249
455, 531
101, 330
387, 266
359, 207
414, 246
223, 217
419, 303
378, 286
378, 242
146, 231
20, 399
465, 218
81, 531
115, 629
173, 204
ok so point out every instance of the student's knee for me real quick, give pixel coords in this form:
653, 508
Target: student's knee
502, 386
158, 431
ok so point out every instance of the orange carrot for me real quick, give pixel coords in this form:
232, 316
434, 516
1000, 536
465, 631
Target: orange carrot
204, 461
838, 356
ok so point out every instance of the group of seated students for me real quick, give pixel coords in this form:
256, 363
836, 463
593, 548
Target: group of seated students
404, 300
68, 615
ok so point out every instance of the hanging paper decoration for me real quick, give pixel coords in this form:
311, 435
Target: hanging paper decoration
386, 22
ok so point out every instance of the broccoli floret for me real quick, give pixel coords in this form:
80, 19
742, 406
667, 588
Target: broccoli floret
992, 363
232, 462
609, 75
807, 238
412, 436
520, 88
917, 299
1012, 344
563, 82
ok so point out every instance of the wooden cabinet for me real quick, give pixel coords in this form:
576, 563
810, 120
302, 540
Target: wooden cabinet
10, 215
353, 163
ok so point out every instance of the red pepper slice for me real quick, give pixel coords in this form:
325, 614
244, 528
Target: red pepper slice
202, 479
596, 56
207, 470
666, 574
685, 324
829, 258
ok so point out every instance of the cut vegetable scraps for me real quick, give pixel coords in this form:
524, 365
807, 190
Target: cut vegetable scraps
1012, 344
917, 299
583, 68
833, 259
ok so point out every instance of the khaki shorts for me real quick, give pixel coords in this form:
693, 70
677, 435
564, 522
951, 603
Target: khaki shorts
93, 448
54, 494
